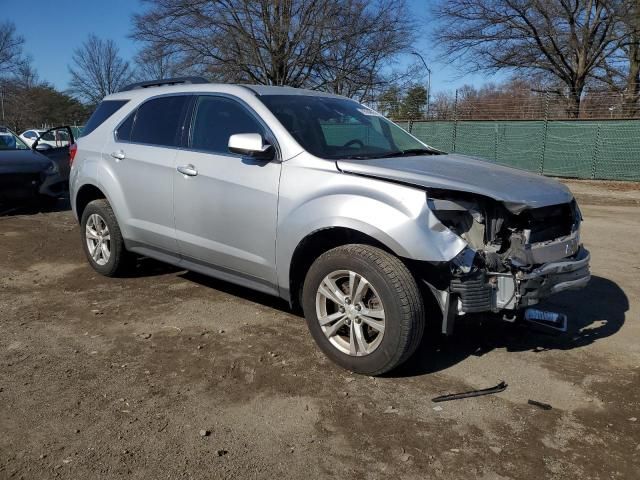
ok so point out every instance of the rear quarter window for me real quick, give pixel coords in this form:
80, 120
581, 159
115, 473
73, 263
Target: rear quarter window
123, 132
102, 113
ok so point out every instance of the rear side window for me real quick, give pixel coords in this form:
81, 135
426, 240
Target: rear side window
104, 111
159, 121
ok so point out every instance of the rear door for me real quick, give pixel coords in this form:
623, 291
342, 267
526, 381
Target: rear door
226, 204
142, 157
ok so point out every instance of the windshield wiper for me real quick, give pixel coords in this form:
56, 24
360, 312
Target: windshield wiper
356, 157
399, 153
407, 152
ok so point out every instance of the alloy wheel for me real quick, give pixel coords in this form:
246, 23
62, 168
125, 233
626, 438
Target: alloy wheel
98, 239
350, 313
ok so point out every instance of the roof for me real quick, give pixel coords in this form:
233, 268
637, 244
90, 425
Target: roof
275, 90
146, 89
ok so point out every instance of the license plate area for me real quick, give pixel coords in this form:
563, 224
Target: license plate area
552, 320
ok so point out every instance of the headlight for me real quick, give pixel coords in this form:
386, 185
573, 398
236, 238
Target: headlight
458, 216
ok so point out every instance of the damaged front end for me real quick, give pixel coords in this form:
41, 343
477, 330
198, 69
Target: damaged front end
514, 256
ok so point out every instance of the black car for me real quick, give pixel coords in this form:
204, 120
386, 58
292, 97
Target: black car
33, 174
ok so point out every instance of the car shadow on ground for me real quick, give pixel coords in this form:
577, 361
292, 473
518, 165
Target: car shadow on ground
32, 208
595, 312
240, 291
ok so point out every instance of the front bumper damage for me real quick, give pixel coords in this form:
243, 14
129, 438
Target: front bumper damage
566, 267
491, 291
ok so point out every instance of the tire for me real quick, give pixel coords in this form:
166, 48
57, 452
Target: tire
119, 260
391, 295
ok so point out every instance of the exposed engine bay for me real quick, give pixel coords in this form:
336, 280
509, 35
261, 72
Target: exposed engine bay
512, 259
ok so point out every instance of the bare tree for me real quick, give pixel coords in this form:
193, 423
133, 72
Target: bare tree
11, 56
370, 34
26, 75
631, 48
97, 70
339, 45
621, 70
157, 63
567, 40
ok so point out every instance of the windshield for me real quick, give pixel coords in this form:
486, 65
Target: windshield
335, 128
10, 141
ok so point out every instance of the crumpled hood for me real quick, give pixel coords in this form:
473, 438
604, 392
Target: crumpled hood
517, 189
22, 161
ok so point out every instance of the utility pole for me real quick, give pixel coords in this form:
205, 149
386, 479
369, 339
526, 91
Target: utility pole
429, 76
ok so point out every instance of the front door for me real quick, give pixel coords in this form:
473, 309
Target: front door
226, 204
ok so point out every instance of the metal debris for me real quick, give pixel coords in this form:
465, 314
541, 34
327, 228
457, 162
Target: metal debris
501, 387
543, 406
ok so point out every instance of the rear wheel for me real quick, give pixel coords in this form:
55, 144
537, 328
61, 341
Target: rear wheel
102, 240
363, 308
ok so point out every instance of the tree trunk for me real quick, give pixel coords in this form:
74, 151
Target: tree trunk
573, 104
632, 91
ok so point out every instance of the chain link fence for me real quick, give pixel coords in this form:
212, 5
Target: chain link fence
503, 103
578, 149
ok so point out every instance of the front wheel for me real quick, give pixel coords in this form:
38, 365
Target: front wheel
363, 308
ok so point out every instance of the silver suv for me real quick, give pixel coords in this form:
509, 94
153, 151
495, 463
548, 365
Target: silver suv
323, 202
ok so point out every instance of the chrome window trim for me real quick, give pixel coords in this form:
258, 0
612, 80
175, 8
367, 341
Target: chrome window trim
268, 132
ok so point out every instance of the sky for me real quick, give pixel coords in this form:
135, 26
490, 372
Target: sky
53, 29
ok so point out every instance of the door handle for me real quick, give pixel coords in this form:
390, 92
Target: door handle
188, 170
119, 155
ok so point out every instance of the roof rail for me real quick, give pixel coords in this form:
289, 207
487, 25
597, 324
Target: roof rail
164, 82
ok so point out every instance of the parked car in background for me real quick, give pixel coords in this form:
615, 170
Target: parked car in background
26, 175
59, 152
56, 138
7, 138
322, 201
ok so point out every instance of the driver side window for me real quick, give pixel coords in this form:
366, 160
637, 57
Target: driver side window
216, 119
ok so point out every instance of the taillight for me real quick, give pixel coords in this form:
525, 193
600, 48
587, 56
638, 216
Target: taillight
72, 152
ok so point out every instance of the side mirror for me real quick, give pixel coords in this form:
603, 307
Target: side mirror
43, 147
251, 145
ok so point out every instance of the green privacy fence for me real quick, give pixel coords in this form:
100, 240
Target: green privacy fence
578, 149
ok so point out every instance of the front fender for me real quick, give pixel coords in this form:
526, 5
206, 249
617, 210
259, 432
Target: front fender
395, 215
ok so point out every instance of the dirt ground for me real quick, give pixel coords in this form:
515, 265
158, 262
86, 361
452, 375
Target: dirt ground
111, 378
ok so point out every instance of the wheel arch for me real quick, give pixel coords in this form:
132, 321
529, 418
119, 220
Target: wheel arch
315, 244
86, 194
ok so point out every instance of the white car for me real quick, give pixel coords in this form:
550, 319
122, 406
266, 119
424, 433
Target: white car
56, 138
